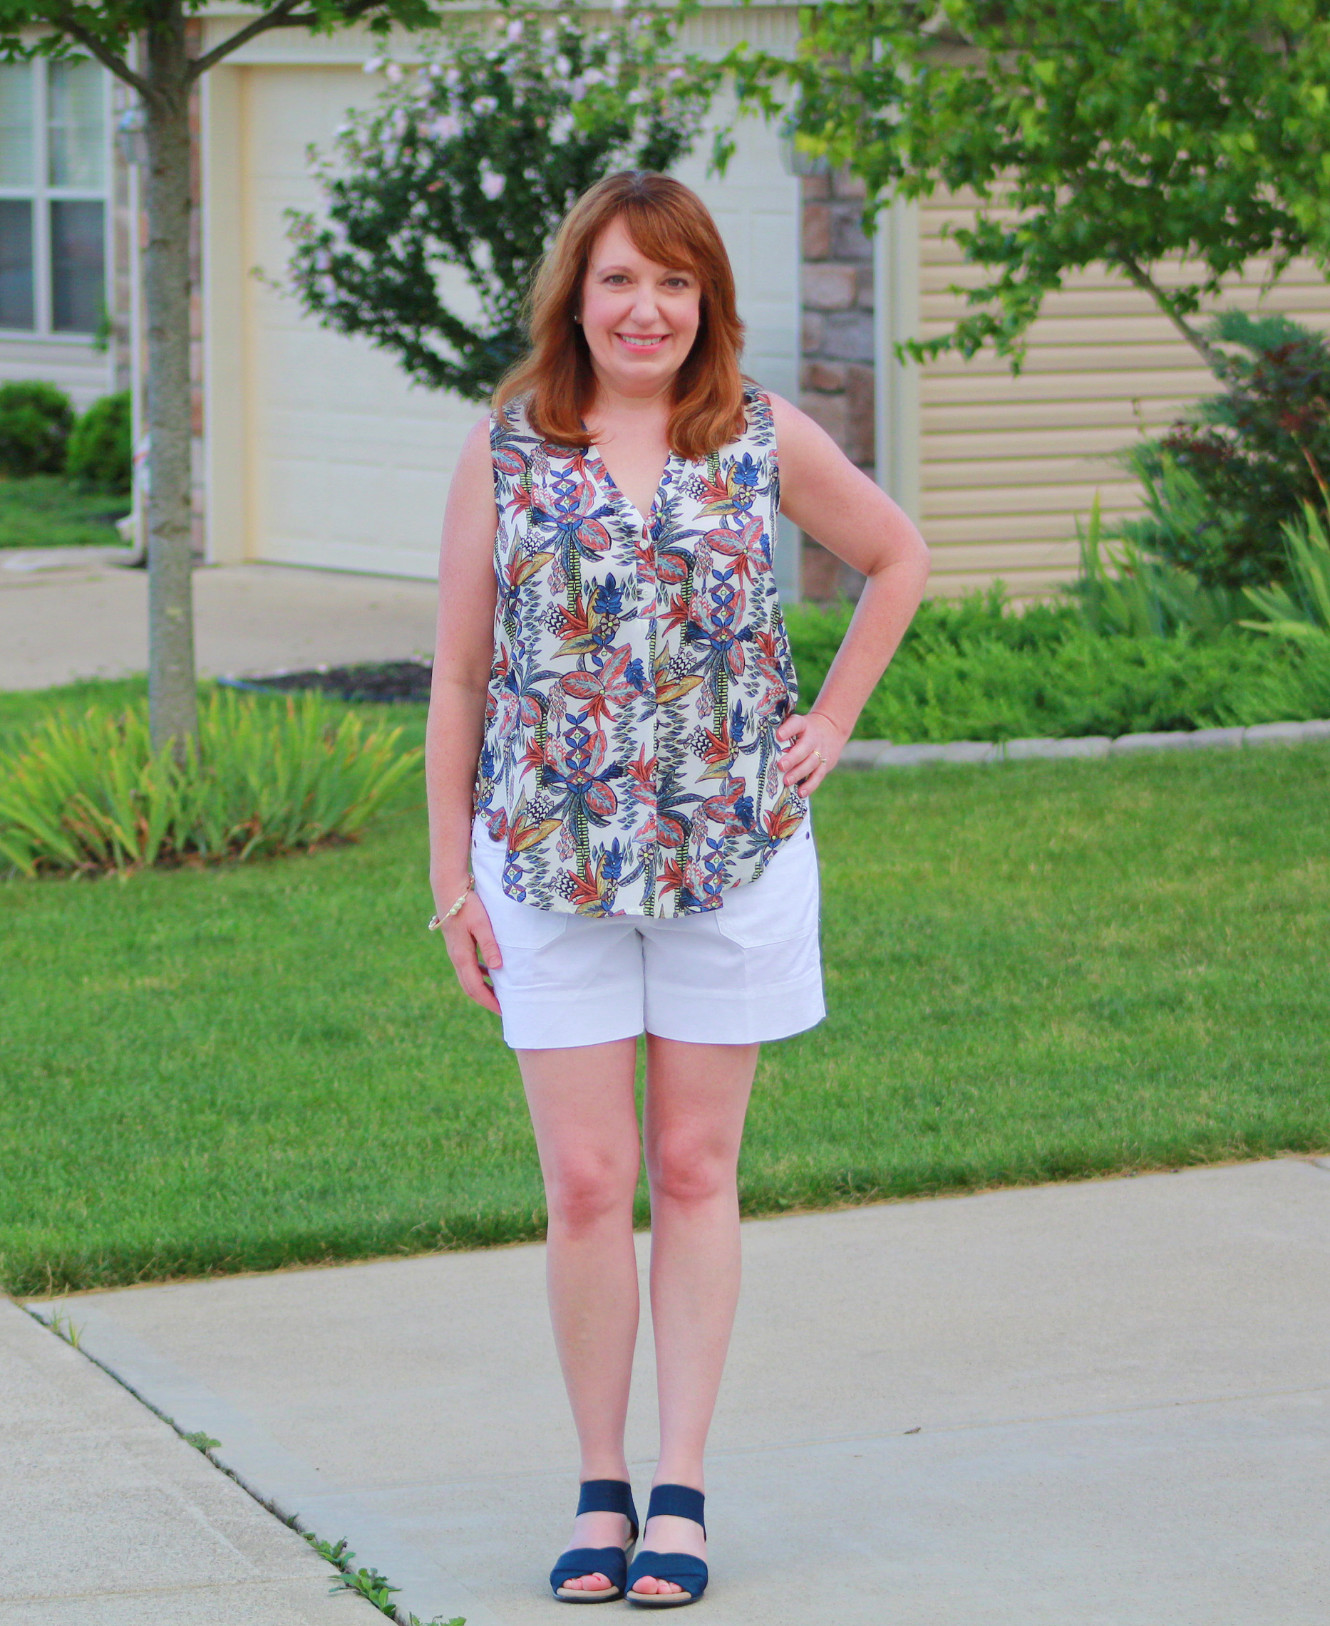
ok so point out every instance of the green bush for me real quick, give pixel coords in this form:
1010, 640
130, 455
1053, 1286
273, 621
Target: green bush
34, 428
88, 793
100, 455
1224, 480
1122, 590
975, 668
1300, 609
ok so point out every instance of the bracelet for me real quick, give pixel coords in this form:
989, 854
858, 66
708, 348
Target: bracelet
437, 920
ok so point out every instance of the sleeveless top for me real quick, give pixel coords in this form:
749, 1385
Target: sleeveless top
641, 668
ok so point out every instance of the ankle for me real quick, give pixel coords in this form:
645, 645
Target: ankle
617, 1471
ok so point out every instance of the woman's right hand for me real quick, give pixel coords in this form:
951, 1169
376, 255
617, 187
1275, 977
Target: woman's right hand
472, 948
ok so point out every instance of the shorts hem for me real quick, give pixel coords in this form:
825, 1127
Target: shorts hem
761, 1027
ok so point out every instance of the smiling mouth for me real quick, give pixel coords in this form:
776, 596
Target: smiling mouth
642, 341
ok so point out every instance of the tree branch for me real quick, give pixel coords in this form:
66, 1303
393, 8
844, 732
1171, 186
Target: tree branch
279, 17
65, 23
1213, 357
282, 15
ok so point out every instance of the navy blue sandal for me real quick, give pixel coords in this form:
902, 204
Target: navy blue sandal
598, 1496
682, 1568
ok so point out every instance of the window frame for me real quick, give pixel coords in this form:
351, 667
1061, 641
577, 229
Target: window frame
41, 194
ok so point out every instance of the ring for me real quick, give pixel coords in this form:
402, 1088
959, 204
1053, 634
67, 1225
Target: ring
820, 757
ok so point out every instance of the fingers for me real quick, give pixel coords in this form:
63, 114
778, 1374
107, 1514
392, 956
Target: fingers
811, 748
805, 765
473, 950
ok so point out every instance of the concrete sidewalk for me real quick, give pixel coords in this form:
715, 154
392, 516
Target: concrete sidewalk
108, 1518
84, 617
1105, 1404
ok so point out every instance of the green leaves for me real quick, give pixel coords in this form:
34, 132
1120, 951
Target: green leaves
470, 160
1127, 132
88, 794
1299, 610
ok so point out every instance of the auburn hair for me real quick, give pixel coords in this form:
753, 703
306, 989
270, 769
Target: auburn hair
671, 225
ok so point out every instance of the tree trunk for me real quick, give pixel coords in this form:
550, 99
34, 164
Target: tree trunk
172, 691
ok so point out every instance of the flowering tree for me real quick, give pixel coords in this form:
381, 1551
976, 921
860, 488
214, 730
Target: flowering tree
470, 159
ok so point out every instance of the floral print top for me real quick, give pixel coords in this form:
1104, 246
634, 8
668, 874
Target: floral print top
641, 667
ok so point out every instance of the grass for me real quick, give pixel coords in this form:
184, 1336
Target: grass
47, 511
1037, 971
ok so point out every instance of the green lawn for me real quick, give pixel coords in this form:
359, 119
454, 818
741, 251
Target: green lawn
1035, 971
46, 511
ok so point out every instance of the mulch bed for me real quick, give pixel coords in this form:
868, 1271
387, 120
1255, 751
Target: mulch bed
380, 681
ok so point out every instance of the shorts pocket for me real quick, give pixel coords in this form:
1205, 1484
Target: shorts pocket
522, 925
781, 904
515, 925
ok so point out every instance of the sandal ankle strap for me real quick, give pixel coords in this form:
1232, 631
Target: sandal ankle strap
678, 1501
608, 1496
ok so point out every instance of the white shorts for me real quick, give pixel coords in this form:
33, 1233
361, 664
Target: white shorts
747, 972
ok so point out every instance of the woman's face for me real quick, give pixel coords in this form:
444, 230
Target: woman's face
640, 318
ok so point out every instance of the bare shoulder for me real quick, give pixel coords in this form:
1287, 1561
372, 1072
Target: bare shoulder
796, 432
475, 452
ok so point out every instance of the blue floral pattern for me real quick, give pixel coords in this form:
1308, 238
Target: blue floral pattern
641, 667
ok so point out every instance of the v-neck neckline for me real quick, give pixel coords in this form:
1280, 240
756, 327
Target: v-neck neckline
644, 522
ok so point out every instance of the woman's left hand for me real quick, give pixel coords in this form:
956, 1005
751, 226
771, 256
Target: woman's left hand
813, 747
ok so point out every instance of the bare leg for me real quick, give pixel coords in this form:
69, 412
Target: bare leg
697, 1097
585, 1119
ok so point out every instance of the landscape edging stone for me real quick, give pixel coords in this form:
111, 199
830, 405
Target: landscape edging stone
883, 754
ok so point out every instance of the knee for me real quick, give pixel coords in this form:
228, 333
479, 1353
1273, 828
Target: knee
687, 1169
583, 1190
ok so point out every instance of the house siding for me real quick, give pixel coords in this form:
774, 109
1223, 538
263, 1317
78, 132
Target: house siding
1009, 465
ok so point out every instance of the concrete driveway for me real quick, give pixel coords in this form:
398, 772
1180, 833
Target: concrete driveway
77, 615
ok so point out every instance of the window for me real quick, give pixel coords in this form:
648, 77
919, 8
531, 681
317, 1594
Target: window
53, 163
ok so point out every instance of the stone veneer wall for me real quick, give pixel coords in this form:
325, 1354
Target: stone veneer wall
838, 347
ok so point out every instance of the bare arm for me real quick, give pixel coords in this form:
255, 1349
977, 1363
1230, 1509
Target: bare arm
463, 657
825, 495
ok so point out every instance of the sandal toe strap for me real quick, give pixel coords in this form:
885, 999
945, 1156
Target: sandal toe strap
611, 1562
681, 1568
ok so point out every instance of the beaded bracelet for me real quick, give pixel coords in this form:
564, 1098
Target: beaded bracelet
437, 920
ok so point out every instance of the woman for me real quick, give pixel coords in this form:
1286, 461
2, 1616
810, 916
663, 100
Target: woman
613, 748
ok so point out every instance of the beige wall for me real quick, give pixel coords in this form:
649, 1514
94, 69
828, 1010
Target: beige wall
1007, 465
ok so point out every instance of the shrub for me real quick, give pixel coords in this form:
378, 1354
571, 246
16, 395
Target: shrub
975, 668
100, 455
34, 428
88, 794
1301, 608
1124, 591
1221, 484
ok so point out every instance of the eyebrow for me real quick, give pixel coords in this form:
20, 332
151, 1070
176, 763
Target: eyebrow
672, 271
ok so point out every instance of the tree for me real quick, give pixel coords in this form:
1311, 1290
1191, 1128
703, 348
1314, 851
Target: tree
163, 74
470, 159
1130, 132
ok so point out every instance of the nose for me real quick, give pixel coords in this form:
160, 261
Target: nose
645, 308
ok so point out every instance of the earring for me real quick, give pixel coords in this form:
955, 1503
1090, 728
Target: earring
578, 320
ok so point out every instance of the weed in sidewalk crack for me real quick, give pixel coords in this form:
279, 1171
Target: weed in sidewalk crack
368, 1583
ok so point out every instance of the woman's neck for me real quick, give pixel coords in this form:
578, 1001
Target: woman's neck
636, 416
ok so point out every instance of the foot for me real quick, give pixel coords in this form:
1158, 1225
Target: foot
666, 1534
599, 1530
